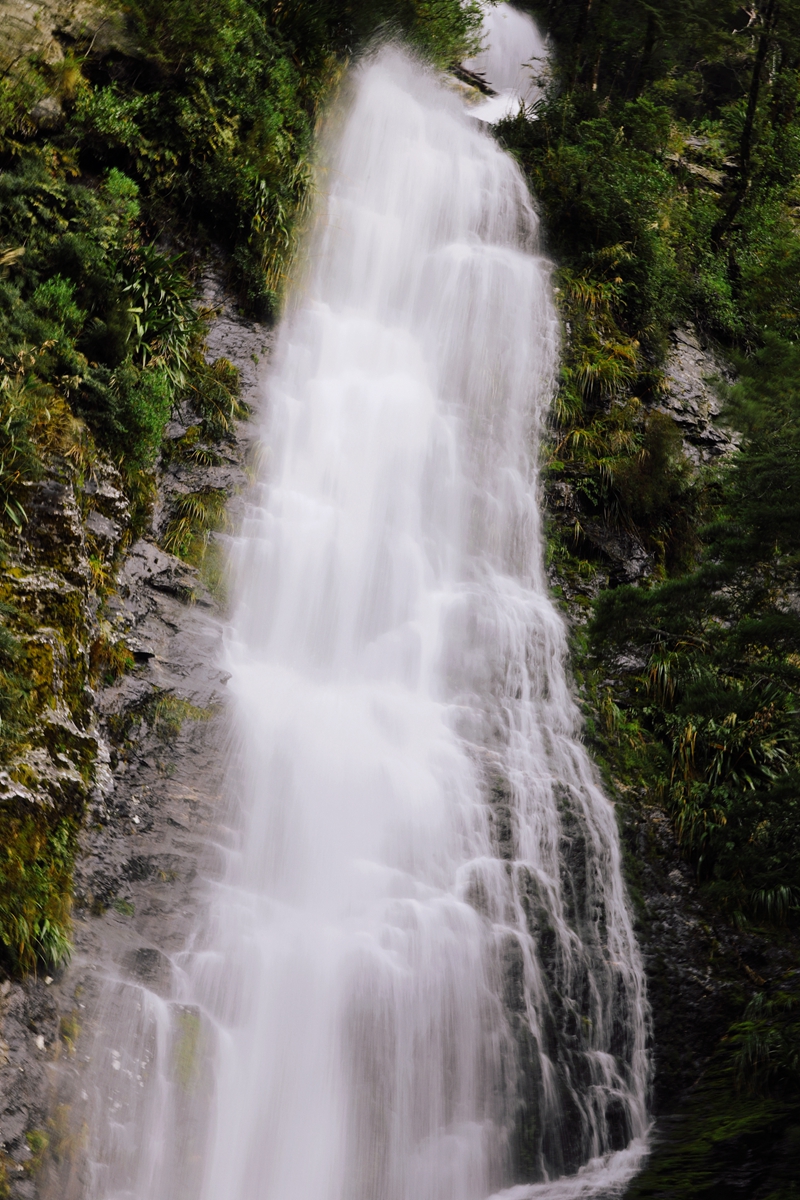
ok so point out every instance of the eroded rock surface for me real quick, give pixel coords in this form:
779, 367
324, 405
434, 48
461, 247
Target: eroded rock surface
45, 28
159, 762
693, 375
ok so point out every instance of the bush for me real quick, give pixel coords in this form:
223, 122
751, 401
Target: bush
127, 409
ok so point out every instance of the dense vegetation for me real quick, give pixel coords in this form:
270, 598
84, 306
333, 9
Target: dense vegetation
666, 159
130, 144
195, 125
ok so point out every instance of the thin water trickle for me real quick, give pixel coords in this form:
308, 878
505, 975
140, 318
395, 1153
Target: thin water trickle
419, 979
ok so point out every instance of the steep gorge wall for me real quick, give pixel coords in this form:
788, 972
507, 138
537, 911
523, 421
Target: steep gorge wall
135, 761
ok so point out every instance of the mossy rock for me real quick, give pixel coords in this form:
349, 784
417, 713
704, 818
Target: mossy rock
66, 743
46, 599
38, 779
726, 1142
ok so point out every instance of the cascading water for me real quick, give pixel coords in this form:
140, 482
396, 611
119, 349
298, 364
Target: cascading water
419, 979
512, 60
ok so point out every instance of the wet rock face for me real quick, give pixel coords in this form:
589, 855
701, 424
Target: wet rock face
47, 585
29, 1039
149, 966
59, 763
55, 533
699, 970
694, 965
623, 556
151, 837
712, 1138
624, 551
155, 787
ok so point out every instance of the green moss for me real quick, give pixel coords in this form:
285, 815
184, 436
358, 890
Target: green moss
723, 1134
69, 1030
67, 1138
109, 658
188, 1049
38, 1143
215, 574
167, 714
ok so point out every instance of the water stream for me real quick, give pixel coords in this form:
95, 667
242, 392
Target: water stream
418, 978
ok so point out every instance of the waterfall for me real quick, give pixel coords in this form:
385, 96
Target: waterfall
418, 979
512, 60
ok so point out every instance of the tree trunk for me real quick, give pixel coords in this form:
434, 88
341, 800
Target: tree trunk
722, 226
640, 77
577, 43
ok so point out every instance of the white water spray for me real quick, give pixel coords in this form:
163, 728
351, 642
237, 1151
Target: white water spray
420, 981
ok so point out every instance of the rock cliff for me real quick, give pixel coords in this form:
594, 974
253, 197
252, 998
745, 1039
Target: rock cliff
136, 758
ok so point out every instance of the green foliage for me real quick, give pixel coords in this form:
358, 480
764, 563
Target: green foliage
38, 1143
22, 406
213, 392
211, 131
127, 409
222, 123
665, 160
723, 1134
15, 685
109, 318
743, 1119
767, 1044
166, 323
693, 113
36, 859
691, 216
621, 461
194, 516
722, 647
609, 226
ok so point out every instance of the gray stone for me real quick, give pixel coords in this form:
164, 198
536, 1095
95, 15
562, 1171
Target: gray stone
103, 530
693, 376
47, 113
148, 965
104, 490
36, 27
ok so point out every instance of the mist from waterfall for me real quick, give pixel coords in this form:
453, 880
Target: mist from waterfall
418, 979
